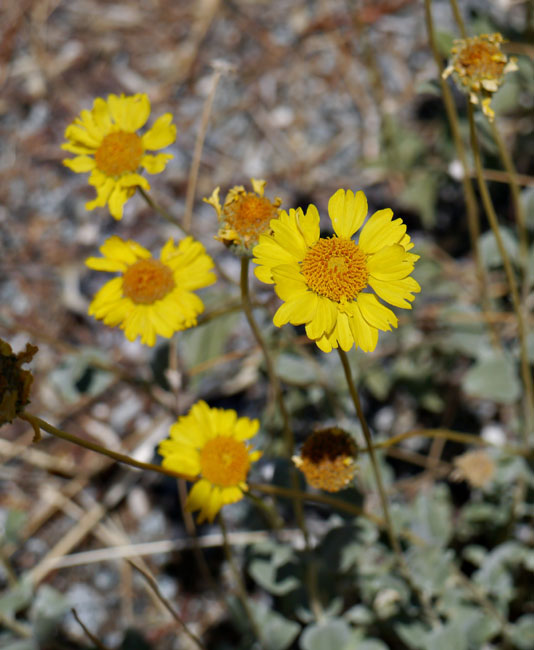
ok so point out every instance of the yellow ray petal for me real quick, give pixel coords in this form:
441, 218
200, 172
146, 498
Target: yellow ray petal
381, 231
297, 311
161, 135
80, 164
390, 263
347, 212
376, 314
155, 164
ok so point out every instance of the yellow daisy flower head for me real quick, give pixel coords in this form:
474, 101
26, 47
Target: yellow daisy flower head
151, 296
211, 444
244, 216
329, 284
107, 144
478, 66
327, 459
15, 383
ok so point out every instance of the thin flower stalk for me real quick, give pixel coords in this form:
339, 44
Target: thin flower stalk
470, 199
514, 293
199, 145
370, 449
518, 208
269, 365
38, 423
165, 602
311, 578
403, 566
161, 210
453, 436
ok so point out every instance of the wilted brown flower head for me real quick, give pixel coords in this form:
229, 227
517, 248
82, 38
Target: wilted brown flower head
244, 216
15, 382
478, 66
476, 467
327, 459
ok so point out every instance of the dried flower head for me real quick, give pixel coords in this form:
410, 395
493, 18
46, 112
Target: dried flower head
107, 144
478, 66
476, 467
211, 444
331, 284
151, 296
327, 459
15, 383
244, 216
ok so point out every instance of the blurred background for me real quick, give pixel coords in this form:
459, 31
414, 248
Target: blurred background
315, 95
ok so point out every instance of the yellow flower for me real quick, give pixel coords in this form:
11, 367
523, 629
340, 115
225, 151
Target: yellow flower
478, 66
151, 296
323, 280
244, 216
108, 146
327, 459
15, 383
209, 443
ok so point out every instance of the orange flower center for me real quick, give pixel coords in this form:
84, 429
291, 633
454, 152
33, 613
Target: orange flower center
481, 60
120, 152
147, 281
224, 461
249, 216
335, 268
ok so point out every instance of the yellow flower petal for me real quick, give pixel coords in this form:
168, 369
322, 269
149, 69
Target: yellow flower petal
80, 136
155, 164
245, 428
344, 333
179, 463
215, 201
309, 224
133, 180
323, 320
288, 235
80, 164
199, 495
365, 335
347, 212
289, 281
258, 186
161, 135
376, 314
381, 231
390, 263
297, 311
117, 199
396, 292
102, 194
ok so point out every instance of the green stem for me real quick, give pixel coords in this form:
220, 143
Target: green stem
289, 438
514, 293
160, 210
518, 205
458, 18
337, 504
403, 566
269, 365
455, 436
37, 423
371, 451
470, 199
151, 581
